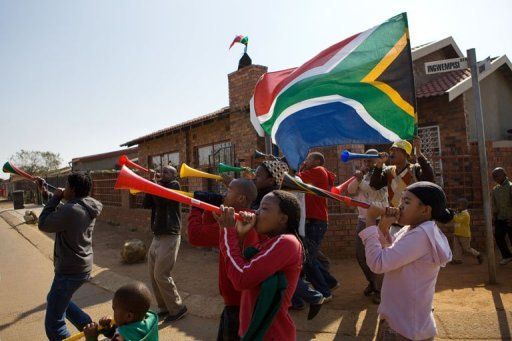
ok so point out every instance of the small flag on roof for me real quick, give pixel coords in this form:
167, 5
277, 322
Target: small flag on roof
240, 39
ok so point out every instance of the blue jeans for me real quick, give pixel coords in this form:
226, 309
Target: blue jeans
59, 306
304, 293
315, 272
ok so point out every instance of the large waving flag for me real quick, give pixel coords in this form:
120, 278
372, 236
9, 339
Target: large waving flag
360, 90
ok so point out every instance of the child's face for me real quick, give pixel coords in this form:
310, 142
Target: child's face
262, 178
412, 210
121, 315
232, 197
270, 219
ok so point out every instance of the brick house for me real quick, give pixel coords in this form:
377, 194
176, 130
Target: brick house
446, 127
103, 161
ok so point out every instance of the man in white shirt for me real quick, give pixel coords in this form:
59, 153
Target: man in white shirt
360, 188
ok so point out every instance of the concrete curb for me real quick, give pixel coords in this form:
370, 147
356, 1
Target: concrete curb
198, 305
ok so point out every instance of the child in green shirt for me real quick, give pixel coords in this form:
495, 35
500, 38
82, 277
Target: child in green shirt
133, 319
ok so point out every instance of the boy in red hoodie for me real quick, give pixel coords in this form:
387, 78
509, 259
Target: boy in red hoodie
268, 277
312, 172
203, 230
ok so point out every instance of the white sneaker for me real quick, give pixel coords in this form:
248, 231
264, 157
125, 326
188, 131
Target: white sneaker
327, 299
505, 261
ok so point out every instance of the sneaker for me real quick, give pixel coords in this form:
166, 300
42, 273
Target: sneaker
335, 286
327, 299
376, 298
320, 301
480, 258
368, 291
297, 307
179, 315
162, 312
314, 309
505, 261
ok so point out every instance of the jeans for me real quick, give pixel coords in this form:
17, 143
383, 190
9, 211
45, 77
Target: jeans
304, 293
59, 306
315, 272
501, 229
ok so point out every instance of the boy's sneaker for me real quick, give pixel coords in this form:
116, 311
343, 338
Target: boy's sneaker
297, 307
314, 308
327, 299
480, 258
162, 312
505, 261
335, 286
179, 315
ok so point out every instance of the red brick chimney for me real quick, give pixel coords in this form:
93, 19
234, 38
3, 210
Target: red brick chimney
241, 85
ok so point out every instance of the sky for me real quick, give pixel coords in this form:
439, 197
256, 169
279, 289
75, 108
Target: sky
82, 77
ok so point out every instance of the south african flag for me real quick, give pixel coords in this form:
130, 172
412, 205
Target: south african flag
360, 90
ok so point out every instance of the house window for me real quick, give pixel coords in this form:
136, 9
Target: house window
158, 161
212, 154
431, 148
208, 157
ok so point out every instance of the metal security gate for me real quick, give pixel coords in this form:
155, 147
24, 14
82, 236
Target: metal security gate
431, 148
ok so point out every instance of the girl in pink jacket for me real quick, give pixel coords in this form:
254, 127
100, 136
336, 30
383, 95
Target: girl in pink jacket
410, 261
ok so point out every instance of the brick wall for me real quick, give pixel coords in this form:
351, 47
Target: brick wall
241, 85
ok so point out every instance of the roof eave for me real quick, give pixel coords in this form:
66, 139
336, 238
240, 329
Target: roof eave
179, 127
434, 46
463, 86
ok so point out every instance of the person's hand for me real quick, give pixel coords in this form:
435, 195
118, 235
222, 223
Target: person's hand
390, 216
41, 183
91, 330
226, 179
105, 322
383, 158
58, 193
416, 143
372, 213
359, 175
246, 224
226, 218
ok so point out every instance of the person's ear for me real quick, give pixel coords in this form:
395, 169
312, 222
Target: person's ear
130, 316
241, 199
283, 219
427, 211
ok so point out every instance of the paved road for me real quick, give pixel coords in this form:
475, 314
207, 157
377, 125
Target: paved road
25, 279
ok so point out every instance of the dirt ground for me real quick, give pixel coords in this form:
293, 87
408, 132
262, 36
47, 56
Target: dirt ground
465, 306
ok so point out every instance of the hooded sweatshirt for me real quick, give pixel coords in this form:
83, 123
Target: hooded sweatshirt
73, 224
316, 207
410, 266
